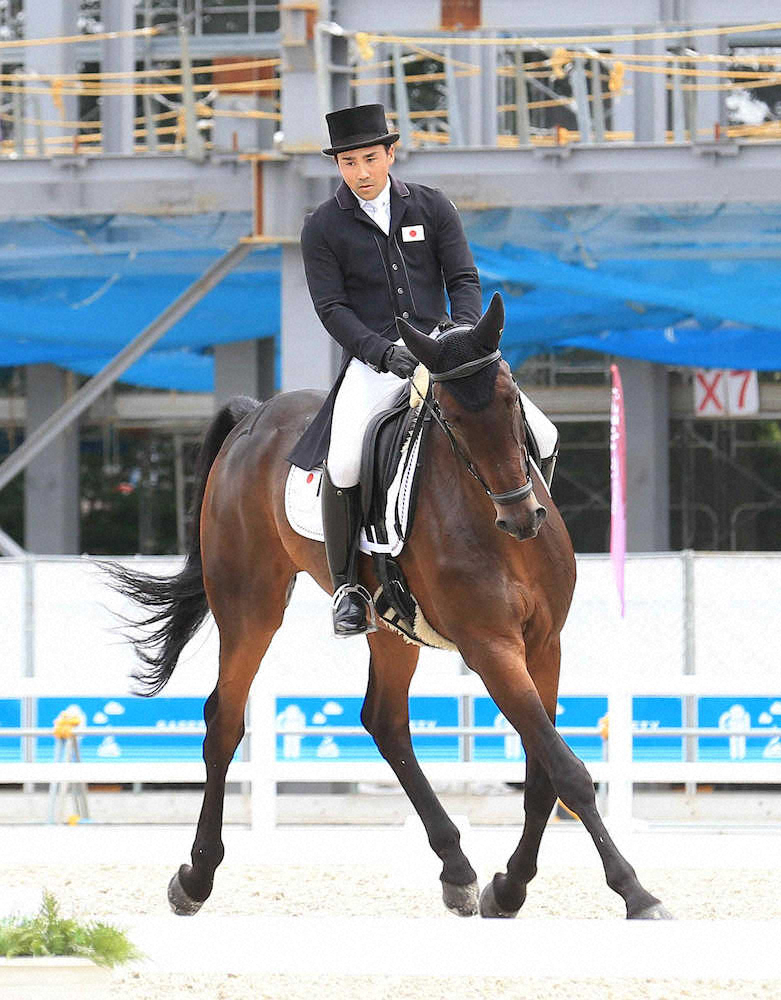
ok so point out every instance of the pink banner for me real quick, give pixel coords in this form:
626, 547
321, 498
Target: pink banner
617, 482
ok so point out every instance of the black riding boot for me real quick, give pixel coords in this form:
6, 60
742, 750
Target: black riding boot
342, 525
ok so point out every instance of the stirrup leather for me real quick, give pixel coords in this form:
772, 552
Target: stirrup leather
361, 591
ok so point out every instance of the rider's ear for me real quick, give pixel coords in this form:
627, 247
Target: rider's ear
488, 329
425, 349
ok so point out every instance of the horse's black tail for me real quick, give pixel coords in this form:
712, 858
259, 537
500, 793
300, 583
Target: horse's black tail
178, 603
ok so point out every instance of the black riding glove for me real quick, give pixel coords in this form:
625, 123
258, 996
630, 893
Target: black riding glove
400, 361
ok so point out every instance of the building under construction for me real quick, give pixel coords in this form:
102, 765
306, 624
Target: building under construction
616, 166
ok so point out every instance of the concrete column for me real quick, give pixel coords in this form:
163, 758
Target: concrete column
341, 91
119, 56
646, 406
44, 19
470, 95
622, 117
489, 95
244, 368
711, 106
308, 359
477, 95
51, 483
650, 97
303, 126
309, 354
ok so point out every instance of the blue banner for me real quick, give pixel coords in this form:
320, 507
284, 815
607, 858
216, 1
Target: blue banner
506, 745
650, 714
426, 715
730, 714
180, 716
179, 729
10, 718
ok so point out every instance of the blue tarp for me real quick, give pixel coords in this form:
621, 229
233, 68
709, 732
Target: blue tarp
692, 287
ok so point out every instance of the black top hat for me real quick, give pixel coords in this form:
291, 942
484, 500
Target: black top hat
354, 128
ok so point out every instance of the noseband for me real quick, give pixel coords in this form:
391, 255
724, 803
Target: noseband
463, 371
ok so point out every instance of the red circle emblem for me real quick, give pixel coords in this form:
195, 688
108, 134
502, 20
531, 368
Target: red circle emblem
310, 477
413, 232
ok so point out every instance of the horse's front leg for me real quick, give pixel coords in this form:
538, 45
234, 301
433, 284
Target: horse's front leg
506, 894
385, 715
502, 666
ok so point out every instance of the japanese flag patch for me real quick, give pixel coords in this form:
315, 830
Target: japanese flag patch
412, 234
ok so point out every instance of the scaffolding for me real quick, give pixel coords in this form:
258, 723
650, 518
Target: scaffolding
543, 91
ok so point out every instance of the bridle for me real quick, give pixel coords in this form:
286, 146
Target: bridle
464, 371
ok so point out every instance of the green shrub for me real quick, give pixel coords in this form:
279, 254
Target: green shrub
47, 933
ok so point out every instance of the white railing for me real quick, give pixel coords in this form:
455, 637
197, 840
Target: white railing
695, 625
618, 772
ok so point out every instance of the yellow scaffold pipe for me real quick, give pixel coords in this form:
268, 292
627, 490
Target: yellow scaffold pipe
147, 88
693, 57
27, 43
364, 40
138, 74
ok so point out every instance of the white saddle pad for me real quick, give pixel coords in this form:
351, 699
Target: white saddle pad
302, 504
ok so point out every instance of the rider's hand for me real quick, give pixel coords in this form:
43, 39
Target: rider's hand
400, 361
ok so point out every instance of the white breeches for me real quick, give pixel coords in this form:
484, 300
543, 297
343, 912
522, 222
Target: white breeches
362, 394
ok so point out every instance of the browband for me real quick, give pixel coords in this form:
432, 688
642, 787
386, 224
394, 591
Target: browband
468, 368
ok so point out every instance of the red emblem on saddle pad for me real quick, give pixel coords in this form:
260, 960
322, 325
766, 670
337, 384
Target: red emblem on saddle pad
310, 477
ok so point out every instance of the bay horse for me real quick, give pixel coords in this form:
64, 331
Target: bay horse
490, 564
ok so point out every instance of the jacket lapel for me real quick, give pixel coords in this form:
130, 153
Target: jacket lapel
347, 201
399, 203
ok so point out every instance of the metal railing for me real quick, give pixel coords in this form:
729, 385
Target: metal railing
618, 771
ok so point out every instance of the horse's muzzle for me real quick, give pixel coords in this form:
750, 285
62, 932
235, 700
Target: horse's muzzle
526, 524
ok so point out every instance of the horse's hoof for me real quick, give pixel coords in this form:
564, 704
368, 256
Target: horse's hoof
461, 899
490, 908
179, 901
654, 912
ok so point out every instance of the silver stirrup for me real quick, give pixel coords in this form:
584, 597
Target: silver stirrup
356, 588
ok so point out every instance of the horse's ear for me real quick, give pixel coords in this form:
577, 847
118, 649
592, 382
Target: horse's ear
425, 349
488, 329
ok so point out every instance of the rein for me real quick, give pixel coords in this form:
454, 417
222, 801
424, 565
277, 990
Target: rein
463, 371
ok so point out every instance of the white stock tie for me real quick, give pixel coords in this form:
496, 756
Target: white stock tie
379, 213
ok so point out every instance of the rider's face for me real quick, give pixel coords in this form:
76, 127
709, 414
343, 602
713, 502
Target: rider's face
365, 171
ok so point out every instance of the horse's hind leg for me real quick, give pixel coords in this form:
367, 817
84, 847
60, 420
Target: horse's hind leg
223, 713
385, 715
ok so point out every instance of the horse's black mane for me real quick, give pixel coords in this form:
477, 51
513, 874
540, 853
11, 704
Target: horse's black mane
476, 391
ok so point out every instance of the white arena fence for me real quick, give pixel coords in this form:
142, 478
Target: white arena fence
685, 688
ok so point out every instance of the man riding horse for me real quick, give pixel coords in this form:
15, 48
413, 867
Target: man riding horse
378, 250
492, 569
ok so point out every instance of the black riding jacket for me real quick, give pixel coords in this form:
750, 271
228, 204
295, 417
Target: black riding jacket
360, 280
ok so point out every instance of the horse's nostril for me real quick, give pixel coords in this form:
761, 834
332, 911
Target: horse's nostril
541, 513
501, 524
